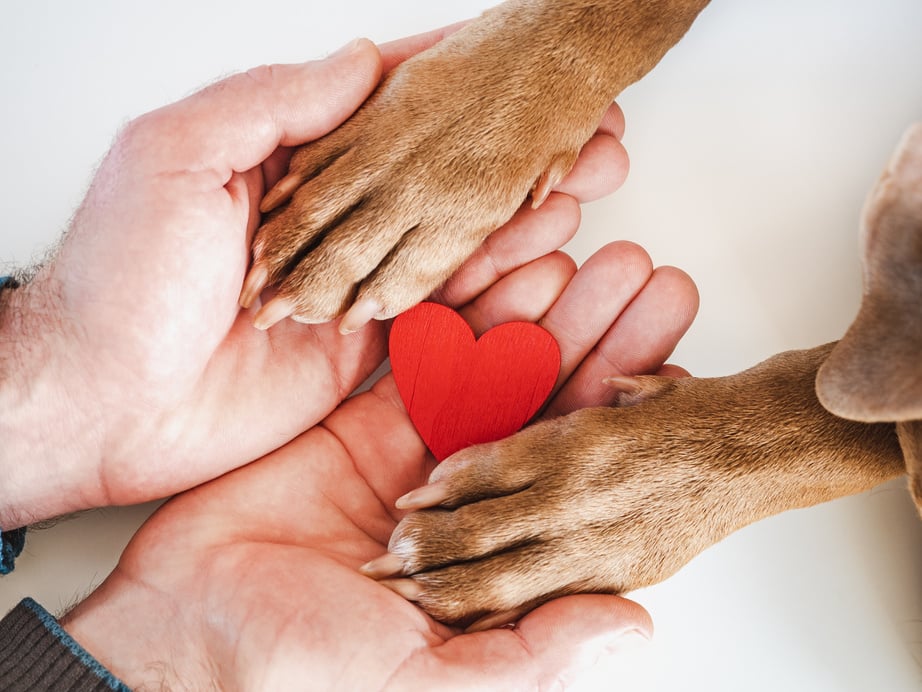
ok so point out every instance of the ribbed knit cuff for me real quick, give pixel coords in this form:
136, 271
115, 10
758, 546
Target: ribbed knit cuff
37, 654
11, 544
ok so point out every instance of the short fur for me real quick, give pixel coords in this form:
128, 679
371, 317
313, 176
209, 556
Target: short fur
606, 499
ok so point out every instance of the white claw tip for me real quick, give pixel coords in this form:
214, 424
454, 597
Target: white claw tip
387, 565
360, 314
272, 312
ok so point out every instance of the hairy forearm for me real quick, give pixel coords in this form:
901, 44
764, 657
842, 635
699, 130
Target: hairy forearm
47, 439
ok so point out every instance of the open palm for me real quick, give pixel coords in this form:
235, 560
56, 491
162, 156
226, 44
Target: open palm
154, 378
251, 582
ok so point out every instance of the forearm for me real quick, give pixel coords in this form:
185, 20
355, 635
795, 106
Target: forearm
47, 437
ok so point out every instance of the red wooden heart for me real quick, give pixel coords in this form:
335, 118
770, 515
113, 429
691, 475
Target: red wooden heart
461, 391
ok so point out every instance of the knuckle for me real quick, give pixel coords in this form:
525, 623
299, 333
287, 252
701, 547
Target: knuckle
262, 75
139, 132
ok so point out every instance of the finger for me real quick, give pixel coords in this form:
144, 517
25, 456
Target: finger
603, 162
395, 52
530, 234
237, 123
670, 370
524, 295
599, 292
555, 642
638, 342
601, 168
276, 166
399, 463
612, 122
247, 188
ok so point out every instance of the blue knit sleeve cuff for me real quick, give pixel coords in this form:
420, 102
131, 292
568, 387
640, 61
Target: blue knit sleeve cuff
37, 654
11, 544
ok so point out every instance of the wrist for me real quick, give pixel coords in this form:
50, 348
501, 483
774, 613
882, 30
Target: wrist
46, 452
140, 635
38, 654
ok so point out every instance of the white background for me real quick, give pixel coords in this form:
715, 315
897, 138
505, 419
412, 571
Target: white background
752, 145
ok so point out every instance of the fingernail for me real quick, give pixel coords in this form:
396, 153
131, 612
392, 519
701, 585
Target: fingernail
628, 646
348, 49
639, 635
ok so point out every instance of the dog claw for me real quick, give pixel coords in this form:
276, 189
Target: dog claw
387, 565
407, 588
543, 187
253, 285
280, 192
360, 314
552, 176
489, 622
421, 498
273, 312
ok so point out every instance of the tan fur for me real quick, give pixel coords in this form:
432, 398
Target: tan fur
606, 499
449, 147
613, 499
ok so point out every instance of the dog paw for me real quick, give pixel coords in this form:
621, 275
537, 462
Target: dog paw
373, 217
614, 499
582, 503
512, 524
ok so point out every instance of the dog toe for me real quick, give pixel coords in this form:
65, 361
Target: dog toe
374, 217
481, 472
500, 586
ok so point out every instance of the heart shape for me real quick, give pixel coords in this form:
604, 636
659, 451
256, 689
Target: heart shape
461, 391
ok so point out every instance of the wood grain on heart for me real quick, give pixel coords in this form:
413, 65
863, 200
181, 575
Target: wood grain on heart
461, 391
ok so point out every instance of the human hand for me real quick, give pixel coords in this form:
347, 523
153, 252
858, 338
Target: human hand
251, 581
127, 371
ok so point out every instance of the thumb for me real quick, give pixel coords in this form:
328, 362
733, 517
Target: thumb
547, 649
568, 636
235, 124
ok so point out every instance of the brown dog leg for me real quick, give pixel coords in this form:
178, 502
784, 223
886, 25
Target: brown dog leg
382, 210
875, 372
613, 499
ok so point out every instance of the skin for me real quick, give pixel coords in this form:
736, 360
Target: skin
128, 371
371, 218
251, 581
